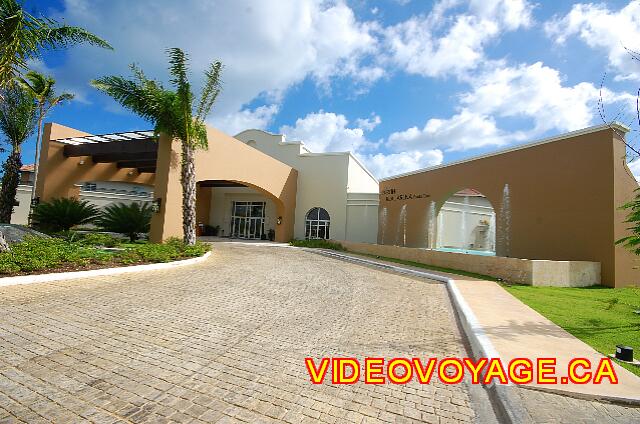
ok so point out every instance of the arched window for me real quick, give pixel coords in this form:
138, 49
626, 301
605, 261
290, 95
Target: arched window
317, 224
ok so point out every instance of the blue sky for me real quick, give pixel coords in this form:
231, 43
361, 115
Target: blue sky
403, 84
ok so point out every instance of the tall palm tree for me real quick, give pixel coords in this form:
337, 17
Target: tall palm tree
172, 113
24, 36
17, 123
41, 88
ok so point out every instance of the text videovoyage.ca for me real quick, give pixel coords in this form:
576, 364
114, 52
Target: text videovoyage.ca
375, 370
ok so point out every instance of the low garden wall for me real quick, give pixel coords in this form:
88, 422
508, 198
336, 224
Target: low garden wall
514, 270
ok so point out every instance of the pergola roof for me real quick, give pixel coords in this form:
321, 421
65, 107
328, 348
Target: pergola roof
106, 138
132, 149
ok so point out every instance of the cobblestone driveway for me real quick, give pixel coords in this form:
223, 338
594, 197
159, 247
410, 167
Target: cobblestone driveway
223, 341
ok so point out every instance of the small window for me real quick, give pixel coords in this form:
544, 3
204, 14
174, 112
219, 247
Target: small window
317, 224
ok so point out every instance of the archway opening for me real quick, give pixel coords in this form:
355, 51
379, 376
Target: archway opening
466, 223
236, 210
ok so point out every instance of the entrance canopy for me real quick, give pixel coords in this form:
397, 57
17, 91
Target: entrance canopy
134, 149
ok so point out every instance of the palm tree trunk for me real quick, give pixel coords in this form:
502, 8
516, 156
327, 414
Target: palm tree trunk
188, 180
36, 161
10, 181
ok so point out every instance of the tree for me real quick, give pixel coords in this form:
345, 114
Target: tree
128, 219
17, 122
632, 242
172, 113
41, 88
63, 213
24, 37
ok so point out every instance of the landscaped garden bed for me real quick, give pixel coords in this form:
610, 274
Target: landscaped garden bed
599, 316
36, 255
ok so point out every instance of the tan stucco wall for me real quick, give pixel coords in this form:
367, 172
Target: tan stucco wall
564, 196
226, 159
58, 175
521, 271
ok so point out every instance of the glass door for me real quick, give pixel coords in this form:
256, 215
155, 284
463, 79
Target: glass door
247, 220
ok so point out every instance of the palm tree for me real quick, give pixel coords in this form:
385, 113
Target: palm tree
24, 37
41, 88
17, 122
172, 113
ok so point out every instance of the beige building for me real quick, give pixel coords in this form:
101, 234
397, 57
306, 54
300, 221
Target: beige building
249, 187
555, 199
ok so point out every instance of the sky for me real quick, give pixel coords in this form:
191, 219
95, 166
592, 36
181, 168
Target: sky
402, 84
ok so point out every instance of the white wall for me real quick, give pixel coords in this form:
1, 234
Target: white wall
222, 199
462, 224
324, 180
21, 212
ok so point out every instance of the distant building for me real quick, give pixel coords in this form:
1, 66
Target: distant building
98, 193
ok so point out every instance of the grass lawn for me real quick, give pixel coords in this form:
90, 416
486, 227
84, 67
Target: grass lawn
599, 316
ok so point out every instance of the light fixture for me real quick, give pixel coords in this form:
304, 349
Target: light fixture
279, 220
130, 173
81, 162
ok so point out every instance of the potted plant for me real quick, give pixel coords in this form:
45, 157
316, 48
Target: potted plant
272, 234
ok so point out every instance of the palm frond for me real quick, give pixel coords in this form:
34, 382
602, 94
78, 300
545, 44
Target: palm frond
24, 36
18, 115
211, 90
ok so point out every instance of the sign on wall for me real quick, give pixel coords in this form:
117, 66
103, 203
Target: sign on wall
390, 195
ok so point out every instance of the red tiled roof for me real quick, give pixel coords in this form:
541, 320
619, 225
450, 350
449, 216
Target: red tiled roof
469, 192
27, 168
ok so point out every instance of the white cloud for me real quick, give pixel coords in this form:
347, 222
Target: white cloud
331, 132
385, 165
235, 122
463, 131
368, 124
418, 46
327, 132
634, 167
534, 94
537, 92
603, 29
266, 46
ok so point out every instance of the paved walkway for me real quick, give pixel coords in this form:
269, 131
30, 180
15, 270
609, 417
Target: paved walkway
224, 341
515, 331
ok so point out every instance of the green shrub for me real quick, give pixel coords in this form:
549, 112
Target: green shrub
36, 253
128, 219
170, 250
98, 239
63, 213
318, 244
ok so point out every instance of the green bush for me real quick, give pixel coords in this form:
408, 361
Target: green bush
98, 239
318, 244
36, 254
170, 250
63, 213
128, 219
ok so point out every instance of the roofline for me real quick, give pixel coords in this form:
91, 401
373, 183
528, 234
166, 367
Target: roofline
614, 125
301, 143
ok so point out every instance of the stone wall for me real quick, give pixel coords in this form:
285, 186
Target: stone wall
522, 271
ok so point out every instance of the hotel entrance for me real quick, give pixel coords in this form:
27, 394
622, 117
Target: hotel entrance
247, 220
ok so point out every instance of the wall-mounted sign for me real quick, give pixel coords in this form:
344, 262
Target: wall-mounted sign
390, 195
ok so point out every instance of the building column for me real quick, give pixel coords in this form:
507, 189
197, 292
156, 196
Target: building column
167, 222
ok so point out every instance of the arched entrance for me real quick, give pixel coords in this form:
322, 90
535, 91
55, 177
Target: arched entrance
466, 223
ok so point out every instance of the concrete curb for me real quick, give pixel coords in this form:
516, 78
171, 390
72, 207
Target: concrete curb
506, 403
61, 276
